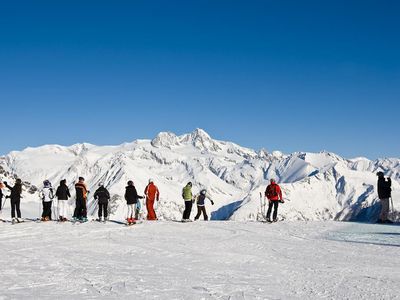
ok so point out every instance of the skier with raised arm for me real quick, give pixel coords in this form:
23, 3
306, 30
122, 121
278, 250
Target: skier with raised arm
384, 194
15, 198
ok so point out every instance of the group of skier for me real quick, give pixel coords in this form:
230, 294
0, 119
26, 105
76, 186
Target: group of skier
272, 194
59, 208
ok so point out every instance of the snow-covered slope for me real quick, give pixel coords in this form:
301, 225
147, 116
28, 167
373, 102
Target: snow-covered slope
200, 260
317, 185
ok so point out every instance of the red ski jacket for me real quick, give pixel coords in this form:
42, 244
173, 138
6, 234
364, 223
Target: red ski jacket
152, 192
273, 192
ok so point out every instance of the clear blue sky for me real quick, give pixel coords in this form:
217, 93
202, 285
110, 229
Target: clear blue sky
284, 75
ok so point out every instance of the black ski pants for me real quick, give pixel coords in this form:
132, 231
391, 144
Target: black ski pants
270, 205
201, 209
188, 210
15, 207
47, 209
80, 209
103, 209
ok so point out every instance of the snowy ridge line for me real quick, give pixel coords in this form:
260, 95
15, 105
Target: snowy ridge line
320, 186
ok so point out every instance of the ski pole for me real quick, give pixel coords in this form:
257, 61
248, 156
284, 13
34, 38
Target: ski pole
4, 203
391, 200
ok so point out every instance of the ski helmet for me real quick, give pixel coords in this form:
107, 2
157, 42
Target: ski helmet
379, 174
203, 191
151, 180
101, 183
130, 182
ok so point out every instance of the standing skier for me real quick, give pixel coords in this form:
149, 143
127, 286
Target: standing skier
187, 196
152, 194
384, 193
63, 194
102, 195
133, 202
201, 208
274, 195
46, 195
1, 195
15, 197
81, 190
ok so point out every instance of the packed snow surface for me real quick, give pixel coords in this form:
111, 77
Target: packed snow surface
200, 260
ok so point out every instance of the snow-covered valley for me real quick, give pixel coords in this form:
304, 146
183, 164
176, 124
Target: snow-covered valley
200, 260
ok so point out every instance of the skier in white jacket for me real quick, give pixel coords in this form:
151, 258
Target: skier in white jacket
46, 195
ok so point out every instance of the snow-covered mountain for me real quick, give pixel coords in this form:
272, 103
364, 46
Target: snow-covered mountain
318, 186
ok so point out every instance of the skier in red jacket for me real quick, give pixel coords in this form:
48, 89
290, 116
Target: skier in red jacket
152, 194
274, 195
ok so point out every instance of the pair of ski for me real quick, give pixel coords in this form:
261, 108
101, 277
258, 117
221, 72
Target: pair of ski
262, 211
133, 223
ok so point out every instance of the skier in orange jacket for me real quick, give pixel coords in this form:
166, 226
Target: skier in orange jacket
152, 194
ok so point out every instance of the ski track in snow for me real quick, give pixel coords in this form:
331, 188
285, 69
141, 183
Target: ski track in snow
200, 260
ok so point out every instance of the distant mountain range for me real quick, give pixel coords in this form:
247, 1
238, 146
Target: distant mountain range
317, 186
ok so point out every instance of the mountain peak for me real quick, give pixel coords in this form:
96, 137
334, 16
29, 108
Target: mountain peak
165, 139
201, 140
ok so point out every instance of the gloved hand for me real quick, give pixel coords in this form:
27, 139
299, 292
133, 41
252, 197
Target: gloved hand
281, 201
212, 202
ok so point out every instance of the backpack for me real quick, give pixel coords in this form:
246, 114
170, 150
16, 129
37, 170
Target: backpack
271, 191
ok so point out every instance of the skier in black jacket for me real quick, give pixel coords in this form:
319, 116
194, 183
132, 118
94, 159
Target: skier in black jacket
15, 197
63, 194
384, 193
102, 195
132, 197
1, 196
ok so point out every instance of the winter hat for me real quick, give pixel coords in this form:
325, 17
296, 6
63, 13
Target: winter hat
18, 181
272, 180
81, 179
130, 182
101, 183
47, 183
203, 192
64, 181
151, 180
379, 174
